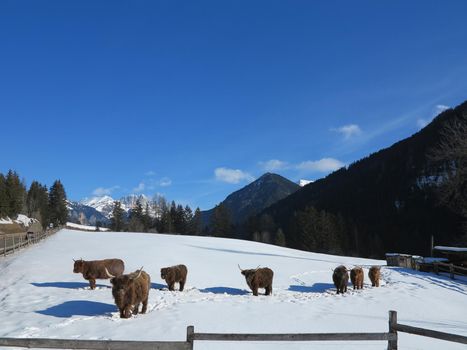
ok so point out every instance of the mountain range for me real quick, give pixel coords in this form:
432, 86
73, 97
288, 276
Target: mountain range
99, 209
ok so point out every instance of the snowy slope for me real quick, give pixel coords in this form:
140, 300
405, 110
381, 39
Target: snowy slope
41, 297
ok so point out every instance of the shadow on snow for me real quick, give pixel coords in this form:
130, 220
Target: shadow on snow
158, 286
315, 288
262, 254
67, 285
224, 290
79, 308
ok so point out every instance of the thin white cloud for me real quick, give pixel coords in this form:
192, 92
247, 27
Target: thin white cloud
101, 191
232, 176
150, 173
140, 188
165, 181
440, 108
323, 165
274, 165
422, 122
348, 131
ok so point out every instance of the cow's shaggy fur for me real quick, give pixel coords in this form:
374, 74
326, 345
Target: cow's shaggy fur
374, 274
259, 278
356, 276
129, 291
174, 274
340, 278
95, 269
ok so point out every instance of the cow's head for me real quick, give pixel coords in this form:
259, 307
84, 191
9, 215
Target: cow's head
248, 272
78, 266
122, 283
164, 272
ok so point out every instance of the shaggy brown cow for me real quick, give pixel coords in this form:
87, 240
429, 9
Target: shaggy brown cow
95, 269
174, 274
129, 291
258, 278
374, 274
340, 277
356, 276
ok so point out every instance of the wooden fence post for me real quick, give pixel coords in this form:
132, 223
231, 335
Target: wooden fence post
392, 344
436, 268
190, 330
451, 270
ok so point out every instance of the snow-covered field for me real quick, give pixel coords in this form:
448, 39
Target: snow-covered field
72, 225
41, 297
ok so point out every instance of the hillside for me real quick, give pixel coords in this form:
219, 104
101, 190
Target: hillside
255, 197
41, 297
384, 202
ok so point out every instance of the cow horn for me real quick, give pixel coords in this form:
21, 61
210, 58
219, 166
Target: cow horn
108, 274
139, 272
240, 267
74, 260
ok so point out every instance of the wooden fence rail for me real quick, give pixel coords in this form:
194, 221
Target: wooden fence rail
391, 338
451, 268
12, 242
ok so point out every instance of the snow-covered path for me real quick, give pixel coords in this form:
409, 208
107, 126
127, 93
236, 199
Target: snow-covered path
41, 297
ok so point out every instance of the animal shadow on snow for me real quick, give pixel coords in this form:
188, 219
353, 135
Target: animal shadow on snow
79, 308
66, 285
158, 286
315, 288
224, 290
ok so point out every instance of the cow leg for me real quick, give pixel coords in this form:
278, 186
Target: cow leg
255, 291
121, 314
171, 286
135, 309
92, 283
145, 306
268, 290
182, 285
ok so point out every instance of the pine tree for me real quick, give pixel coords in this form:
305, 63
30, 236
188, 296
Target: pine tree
117, 221
3, 197
280, 238
196, 223
16, 194
58, 212
221, 224
135, 223
37, 203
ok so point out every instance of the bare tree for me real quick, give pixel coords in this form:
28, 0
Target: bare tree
451, 156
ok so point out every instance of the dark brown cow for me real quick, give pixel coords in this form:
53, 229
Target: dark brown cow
340, 278
174, 274
374, 274
258, 278
129, 291
356, 276
95, 269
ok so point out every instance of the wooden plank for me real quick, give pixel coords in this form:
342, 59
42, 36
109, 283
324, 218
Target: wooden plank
432, 334
392, 343
292, 337
43, 343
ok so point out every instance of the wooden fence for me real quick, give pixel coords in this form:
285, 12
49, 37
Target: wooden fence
451, 268
390, 337
12, 242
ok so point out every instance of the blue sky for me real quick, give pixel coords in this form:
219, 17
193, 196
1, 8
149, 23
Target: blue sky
194, 100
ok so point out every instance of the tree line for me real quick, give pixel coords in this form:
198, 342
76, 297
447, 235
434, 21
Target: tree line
159, 216
38, 202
